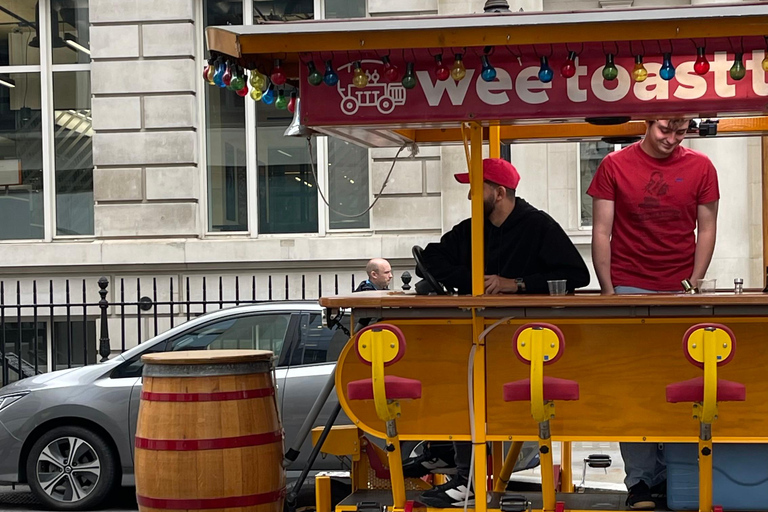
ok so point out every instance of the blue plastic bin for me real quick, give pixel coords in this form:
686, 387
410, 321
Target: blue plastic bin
739, 481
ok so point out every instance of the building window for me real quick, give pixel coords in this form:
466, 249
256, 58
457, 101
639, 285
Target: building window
73, 149
21, 157
348, 192
26, 349
590, 156
74, 344
345, 9
286, 184
282, 10
225, 138
25, 192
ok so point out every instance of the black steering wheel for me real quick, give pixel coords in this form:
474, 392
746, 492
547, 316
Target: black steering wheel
429, 284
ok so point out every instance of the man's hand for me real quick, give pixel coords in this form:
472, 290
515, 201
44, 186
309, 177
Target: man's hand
608, 291
497, 284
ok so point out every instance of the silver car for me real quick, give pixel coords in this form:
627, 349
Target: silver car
69, 434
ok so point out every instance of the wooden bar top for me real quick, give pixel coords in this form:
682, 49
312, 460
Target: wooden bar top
395, 299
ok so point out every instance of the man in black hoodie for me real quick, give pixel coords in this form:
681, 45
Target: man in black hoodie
524, 248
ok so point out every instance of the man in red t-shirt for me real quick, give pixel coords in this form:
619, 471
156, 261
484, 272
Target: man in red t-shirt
654, 225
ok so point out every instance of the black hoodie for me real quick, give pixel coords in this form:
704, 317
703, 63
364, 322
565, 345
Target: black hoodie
528, 245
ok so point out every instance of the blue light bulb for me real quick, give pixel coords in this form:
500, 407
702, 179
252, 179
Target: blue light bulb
667, 71
269, 95
489, 72
330, 77
545, 72
220, 68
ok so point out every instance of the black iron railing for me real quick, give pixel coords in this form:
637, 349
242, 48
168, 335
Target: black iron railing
56, 328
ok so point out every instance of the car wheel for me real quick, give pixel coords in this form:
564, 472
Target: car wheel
71, 468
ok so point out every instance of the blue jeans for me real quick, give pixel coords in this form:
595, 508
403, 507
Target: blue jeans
643, 462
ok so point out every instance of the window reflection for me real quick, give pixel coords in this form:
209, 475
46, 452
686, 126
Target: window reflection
73, 135
225, 139
18, 30
347, 185
71, 36
282, 10
21, 157
344, 9
287, 188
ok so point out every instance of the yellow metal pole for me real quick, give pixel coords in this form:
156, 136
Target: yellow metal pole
323, 493
497, 456
476, 194
478, 322
547, 474
395, 461
566, 475
494, 141
500, 482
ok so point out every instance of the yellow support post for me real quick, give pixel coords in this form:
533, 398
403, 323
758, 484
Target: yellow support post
323, 493
566, 467
478, 322
705, 475
497, 456
395, 460
494, 141
500, 482
547, 475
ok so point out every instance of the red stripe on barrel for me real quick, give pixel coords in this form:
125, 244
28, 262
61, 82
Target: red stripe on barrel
188, 445
209, 503
220, 396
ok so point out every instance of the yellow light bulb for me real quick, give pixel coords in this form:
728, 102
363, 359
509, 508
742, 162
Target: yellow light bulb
257, 80
764, 63
360, 79
458, 71
639, 73
256, 94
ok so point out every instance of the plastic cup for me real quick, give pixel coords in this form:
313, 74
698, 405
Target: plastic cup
557, 287
707, 285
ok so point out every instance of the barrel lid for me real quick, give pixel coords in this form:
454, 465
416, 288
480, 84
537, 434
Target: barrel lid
208, 357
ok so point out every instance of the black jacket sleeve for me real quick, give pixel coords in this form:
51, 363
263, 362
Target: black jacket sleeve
450, 260
562, 261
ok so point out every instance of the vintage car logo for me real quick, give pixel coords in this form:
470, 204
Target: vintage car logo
384, 96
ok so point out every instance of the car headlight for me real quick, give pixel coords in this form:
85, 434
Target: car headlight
7, 400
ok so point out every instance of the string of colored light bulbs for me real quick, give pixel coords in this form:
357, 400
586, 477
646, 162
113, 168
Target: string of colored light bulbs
234, 77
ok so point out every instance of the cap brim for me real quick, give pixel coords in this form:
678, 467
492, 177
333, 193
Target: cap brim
462, 177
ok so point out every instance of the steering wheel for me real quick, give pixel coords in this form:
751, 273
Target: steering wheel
432, 284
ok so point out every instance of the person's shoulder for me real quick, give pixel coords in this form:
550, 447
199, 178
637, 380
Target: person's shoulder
693, 154
536, 215
623, 154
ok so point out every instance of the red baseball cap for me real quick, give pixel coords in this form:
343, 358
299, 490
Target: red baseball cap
496, 170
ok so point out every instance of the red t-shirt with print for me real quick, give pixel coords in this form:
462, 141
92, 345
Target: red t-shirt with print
653, 241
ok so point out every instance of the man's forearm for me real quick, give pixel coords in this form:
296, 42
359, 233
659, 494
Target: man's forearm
705, 247
601, 259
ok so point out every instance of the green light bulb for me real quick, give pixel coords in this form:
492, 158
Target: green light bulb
738, 70
610, 71
281, 102
409, 80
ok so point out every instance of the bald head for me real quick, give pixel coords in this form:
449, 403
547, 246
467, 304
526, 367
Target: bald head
379, 272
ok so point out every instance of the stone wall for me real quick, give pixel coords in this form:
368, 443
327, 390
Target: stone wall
145, 149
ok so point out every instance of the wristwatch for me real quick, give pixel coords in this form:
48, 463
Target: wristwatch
520, 285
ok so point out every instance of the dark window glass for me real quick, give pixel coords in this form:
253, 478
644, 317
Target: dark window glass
21, 157
70, 28
282, 10
74, 344
74, 154
318, 343
347, 185
21, 342
225, 139
287, 187
256, 332
19, 44
344, 9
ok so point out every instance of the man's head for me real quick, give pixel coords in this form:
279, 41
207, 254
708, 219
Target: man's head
379, 272
500, 180
662, 136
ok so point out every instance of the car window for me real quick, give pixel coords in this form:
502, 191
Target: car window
254, 332
318, 343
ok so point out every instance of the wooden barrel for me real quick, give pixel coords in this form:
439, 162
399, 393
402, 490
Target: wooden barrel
208, 435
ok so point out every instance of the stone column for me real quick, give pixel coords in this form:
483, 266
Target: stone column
144, 82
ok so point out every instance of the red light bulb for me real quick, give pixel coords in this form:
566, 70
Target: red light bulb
227, 76
243, 92
292, 103
391, 73
441, 70
278, 75
568, 69
701, 66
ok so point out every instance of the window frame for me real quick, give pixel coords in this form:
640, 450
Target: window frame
320, 150
580, 188
46, 69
